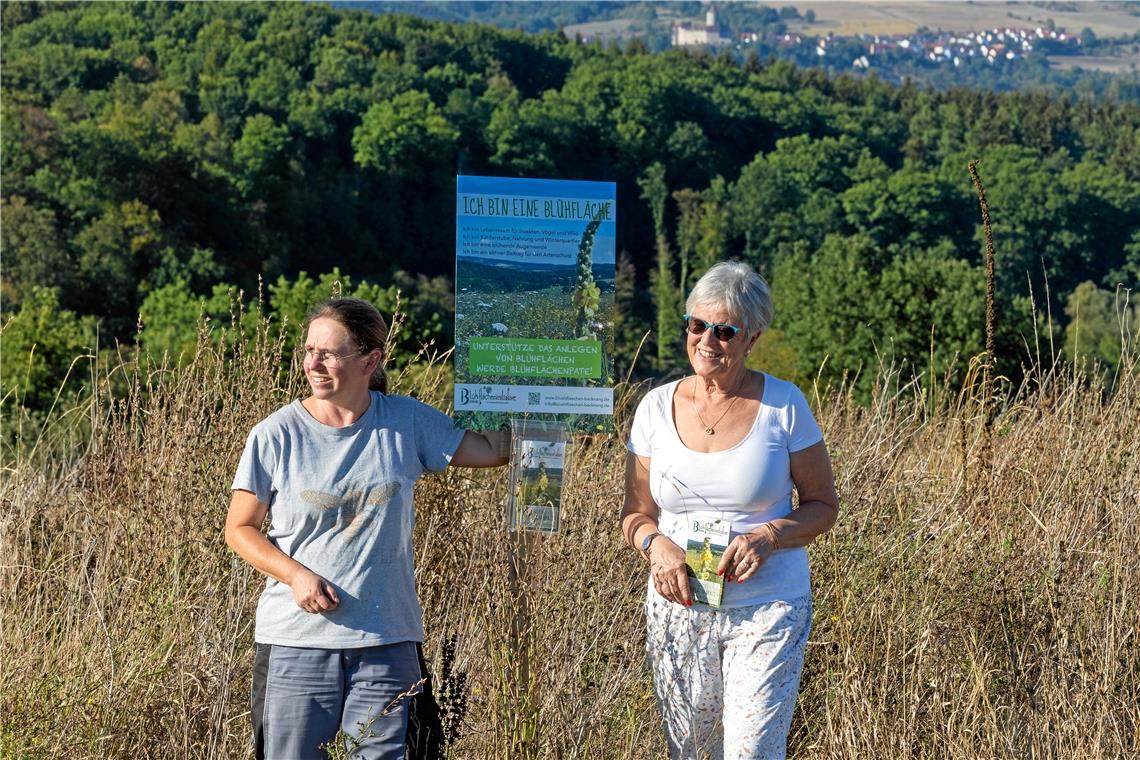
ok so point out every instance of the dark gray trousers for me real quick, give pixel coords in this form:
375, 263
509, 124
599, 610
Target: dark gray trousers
302, 697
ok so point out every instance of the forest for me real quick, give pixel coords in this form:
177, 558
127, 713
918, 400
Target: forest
164, 161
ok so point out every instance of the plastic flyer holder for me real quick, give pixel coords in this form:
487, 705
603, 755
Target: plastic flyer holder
540, 456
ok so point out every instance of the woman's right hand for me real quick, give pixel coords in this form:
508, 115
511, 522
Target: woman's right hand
243, 533
312, 592
667, 568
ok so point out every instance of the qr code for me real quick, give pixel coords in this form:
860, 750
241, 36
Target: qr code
533, 397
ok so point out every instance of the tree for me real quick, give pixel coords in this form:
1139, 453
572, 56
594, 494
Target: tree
398, 135
837, 309
629, 327
259, 151
931, 306
148, 145
1101, 325
170, 316
117, 251
688, 231
792, 194
907, 208
1029, 220
714, 228
42, 344
822, 307
426, 303
666, 295
34, 250
1128, 274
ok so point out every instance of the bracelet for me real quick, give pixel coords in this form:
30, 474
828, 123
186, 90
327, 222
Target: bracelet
773, 536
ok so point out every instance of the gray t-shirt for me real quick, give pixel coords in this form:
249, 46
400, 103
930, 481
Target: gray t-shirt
340, 503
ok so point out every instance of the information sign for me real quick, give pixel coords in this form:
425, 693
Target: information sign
534, 282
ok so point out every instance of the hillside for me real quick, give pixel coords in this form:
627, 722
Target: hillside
160, 157
1100, 57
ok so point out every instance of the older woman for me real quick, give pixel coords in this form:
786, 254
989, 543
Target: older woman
727, 444
339, 624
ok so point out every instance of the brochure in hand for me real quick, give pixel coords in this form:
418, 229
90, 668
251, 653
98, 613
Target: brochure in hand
705, 545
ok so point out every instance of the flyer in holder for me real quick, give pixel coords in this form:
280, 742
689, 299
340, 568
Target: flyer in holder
534, 280
538, 465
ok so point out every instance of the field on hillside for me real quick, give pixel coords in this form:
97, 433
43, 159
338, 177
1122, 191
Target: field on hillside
1109, 63
846, 18
1107, 20
977, 598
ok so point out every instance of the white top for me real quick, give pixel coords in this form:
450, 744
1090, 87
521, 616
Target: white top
748, 484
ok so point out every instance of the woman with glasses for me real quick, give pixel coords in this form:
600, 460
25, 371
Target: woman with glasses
339, 624
725, 447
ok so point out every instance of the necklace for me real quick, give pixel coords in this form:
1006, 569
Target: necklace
711, 429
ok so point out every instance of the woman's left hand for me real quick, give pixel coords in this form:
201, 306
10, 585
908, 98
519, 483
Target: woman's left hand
746, 554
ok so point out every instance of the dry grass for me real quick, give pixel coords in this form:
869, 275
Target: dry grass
946, 625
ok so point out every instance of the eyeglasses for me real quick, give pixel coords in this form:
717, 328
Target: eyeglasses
327, 358
722, 331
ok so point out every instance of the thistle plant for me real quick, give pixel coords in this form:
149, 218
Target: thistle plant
587, 294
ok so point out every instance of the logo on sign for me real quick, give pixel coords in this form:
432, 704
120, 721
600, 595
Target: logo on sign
484, 395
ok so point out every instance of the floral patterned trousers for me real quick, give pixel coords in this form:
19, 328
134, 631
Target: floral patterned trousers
727, 679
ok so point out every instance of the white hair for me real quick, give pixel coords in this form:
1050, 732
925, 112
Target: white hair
735, 287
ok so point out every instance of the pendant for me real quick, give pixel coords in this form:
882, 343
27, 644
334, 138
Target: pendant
709, 431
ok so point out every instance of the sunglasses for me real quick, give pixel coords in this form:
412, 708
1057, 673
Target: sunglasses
722, 331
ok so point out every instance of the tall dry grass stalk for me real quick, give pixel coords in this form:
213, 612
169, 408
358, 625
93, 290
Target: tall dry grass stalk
944, 627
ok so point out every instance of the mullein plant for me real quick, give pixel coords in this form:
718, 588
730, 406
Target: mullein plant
587, 294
